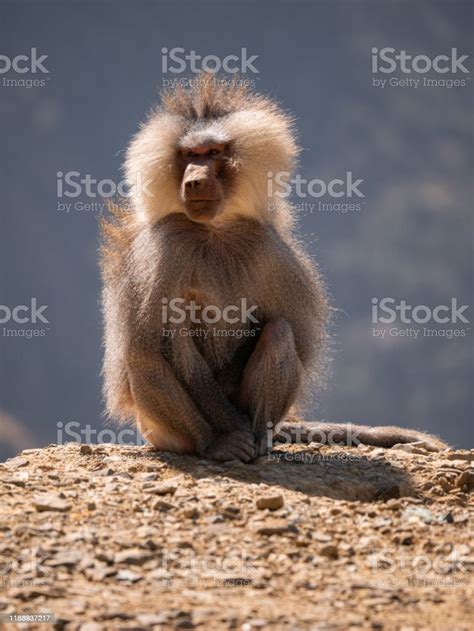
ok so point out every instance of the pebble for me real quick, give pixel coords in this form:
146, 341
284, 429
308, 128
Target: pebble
127, 575
272, 502
91, 626
50, 502
133, 556
160, 489
161, 505
16, 463
330, 551
272, 527
466, 481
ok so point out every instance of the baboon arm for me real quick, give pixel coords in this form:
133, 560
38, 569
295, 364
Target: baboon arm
165, 404
208, 395
301, 300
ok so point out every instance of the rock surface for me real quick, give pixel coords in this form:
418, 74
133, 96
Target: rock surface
320, 538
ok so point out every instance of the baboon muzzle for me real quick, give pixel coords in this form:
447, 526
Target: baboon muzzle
200, 191
199, 184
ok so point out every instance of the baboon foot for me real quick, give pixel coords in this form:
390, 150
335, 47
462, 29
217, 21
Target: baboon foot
237, 445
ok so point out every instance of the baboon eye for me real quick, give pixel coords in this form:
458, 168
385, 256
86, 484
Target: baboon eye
191, 154
213, 152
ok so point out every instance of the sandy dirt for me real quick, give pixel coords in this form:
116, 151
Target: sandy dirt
311, 537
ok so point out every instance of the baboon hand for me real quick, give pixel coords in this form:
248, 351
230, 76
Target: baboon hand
237, 445
264, 442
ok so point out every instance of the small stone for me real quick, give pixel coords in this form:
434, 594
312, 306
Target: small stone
191, 513
14, 482
184, 623
85, 450
152, 466
91, 506
272, 527
162, 506
103, 556
466, 481
15, 463
107, 471
460, 518
133, 556
417, 512
127, 575
160, 489
151, 619
49, 502
272, 502
231, 510
65, 559
254, 623
150, 477
123, 474
91, 626
330, 551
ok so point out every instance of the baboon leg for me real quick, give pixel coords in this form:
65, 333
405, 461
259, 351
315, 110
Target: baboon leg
206, 393
270, 381
166, 414
169, 419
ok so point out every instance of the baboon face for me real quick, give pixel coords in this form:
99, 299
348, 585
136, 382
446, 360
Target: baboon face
206, 152
205, 178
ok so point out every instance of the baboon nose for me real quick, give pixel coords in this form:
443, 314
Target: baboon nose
194, 185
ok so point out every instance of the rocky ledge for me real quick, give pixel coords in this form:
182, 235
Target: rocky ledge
110, 537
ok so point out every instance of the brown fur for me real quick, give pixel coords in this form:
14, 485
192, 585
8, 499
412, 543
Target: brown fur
213, 395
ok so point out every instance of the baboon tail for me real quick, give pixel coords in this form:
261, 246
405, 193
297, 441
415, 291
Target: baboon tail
347, 434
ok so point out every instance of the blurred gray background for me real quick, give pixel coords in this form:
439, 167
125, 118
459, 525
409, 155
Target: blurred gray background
412, 147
